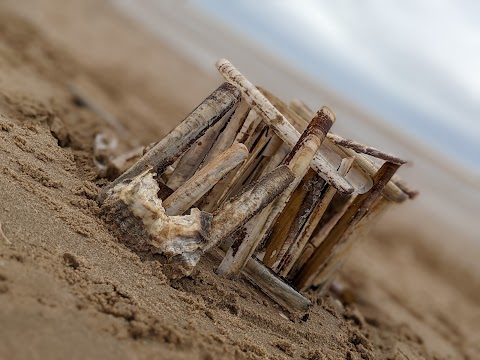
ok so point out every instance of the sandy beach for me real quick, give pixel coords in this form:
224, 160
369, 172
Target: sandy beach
70, 289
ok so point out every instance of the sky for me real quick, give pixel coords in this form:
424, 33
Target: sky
413, 63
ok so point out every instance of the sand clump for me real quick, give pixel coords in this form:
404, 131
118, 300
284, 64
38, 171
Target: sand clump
69, 288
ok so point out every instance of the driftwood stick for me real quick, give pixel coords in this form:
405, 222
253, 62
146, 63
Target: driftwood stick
204, 179
227, 136
280, 124
193, 157
243, 248
272, 286
298, 160
304, 236
341, 252
229, 187
214, 108
365, 149
352, 216
275, 288
293, 218
237, 211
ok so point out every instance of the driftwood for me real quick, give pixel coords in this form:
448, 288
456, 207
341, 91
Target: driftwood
177, 141
352, 216
296, 221
295, 250
198, 185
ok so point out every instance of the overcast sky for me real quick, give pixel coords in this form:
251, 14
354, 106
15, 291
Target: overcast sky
414, 63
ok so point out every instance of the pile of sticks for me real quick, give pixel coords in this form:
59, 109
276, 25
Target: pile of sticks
263, 182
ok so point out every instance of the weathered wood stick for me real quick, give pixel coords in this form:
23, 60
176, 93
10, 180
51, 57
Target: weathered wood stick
272, 286
293, 217
318, 238
210, 111
275, 288
227, 136
243, 248
304, 236
298, 160
341, 252
237, 211
365, 149
251, 123
352, 216
238, 175
280, 124
193, 157
393, 190
204, 179
306, 254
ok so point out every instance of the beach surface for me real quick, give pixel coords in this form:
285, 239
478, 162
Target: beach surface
70, 289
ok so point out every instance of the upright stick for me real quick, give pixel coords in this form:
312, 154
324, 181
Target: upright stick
191, 191
237, 211
214, 108
297, 246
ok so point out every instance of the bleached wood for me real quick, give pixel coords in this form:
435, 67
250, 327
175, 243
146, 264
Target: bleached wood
212, 109
227, 136
280, 124
193, 157
237, 211
204, 179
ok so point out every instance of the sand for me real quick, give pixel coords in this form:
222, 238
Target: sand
70, 289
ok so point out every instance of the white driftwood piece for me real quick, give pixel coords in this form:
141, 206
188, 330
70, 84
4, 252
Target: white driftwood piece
227, 136
193, 157
212, 109
280, 124
204, 179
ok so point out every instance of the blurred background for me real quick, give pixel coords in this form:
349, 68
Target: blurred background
401, 76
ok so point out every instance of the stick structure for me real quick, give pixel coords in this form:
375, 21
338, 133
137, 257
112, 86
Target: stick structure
177, 141
279, 123
198, 185
278, 194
